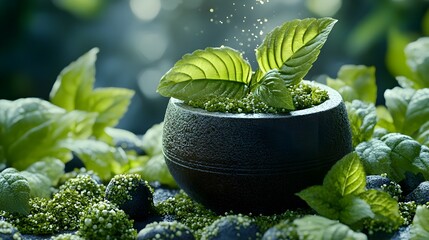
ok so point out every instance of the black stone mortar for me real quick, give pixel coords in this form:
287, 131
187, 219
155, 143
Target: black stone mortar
254, 162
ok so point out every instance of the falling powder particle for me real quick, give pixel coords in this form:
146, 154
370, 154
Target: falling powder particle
211, 10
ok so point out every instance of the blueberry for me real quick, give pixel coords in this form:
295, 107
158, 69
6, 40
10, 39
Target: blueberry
420, 195
132, 194
376, 181
232, 227
165, 230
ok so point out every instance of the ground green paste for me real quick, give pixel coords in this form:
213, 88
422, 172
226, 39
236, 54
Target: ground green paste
304, 96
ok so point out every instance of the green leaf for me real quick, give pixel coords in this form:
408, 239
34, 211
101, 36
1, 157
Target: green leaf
355, 82
363, 118
417, 54
423, 134
75, 82
322, 201
50, 167
99, 157
34, 129
385, 120
384, 207
316, 227
40, 184
220, 72
152, 140
346, 177
354, 209
420, 227
155, 169
395, 55
397, 100
14, 192
273, 91
394, 154
417, 112
110, 104
293, 47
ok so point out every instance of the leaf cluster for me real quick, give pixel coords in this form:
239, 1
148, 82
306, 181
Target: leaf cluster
284, 58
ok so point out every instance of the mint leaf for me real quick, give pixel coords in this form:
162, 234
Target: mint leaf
355, 82
363, 118
420, 227
394, 154
293, 47
418, 60
354, 209
273, 91
316, 227
322, 201
75, 82
346, 177
14, 192
423, 134
50, 167
384, 207
152, 140
220, 72
40, 184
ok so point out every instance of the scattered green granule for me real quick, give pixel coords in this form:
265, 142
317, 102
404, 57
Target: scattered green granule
165, 230
67, 236
283, 230
267, 221
304, 95
62, 211
8, 231
187, 211
407, 211
232, 227
104, 221
132, 194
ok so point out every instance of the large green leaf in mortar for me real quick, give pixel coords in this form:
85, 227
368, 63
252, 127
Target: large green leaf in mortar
220, 72
293, 47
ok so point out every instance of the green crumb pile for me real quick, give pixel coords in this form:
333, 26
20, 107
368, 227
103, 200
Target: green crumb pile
188, 212
121, 186
304, 96
103, 220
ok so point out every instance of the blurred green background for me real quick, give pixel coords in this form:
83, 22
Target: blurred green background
140, 40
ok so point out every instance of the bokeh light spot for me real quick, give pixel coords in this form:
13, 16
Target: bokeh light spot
324, 8
146, 10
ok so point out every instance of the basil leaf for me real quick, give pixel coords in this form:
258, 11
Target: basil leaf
384, 119
273, 91
354, 209
423, 134
40, 185
75, 82
417, 112
417, 54
346, 177
420, 227
355, 82
362, 118
394, 154
397, 100
33, 129
322, 201
316, 227
99, 157
384, 207
293, 47
14, 192
220, 72
110, 104
50, 167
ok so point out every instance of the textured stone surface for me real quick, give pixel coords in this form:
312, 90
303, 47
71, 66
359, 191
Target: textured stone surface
253, 162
